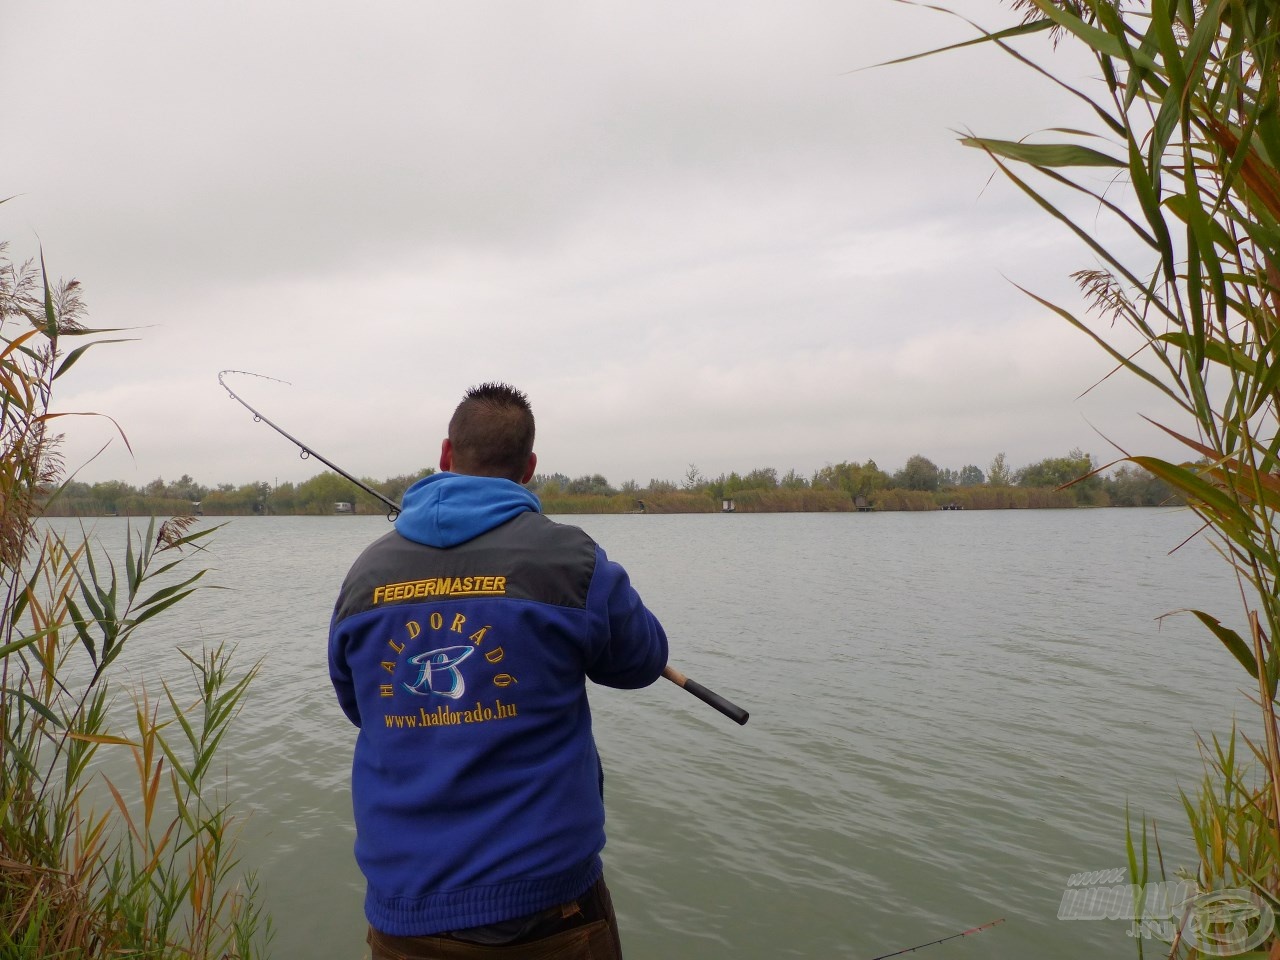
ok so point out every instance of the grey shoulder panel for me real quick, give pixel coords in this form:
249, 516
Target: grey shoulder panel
527, 558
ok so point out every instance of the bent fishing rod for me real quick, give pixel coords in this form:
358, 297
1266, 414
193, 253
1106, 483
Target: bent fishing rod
709, 697
394, 508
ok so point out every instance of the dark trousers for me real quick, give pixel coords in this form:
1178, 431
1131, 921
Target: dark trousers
583, 929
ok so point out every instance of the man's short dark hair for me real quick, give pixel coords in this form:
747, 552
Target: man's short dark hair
492, 432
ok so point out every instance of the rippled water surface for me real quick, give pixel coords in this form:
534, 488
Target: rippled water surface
949, 714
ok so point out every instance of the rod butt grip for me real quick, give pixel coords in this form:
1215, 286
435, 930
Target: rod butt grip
711, 698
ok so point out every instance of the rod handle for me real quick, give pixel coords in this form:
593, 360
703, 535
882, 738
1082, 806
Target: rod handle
709, 697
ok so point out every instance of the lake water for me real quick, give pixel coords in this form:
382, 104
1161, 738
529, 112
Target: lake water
949, 715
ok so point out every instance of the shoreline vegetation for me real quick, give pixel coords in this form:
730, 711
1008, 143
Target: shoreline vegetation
1064, 482
1182, 154
117, 838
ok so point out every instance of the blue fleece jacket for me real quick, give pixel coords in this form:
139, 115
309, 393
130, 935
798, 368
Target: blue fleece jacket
460, 645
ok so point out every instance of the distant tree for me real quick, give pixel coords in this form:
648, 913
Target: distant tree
247, 499
549, 484
629, 486
1132, 486
693, 478
1055, 471
723, 486
999, 474
185, 488
826, 478
76, 489
593, 484
857, 480
661, 486
761, 478
919, 473
318, 495
111, 494
284, 499
947, 478
970, 476
793, 481
393, 488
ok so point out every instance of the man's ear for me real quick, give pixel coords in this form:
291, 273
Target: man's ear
529, 470
446, 455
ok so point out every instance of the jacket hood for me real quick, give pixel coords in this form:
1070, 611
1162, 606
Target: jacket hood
446, 509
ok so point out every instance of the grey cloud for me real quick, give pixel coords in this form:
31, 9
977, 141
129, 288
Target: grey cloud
696, 220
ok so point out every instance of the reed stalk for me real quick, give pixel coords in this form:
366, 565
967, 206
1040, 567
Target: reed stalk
92, 866
1182, 158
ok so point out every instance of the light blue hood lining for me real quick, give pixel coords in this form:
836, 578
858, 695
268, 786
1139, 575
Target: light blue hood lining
446, 509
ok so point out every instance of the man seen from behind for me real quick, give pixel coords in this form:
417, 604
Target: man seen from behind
460, 645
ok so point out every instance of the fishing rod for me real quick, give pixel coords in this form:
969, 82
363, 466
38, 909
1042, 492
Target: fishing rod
730, 710
954, 936
393, 508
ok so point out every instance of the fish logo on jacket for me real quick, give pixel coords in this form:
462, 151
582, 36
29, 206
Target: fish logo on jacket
438, 672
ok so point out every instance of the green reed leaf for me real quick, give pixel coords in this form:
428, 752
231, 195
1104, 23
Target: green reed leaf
178, 769
1186, 210
1021, 30
1226, 354
1044, 154
94, 607
50, 315
22, 643
131, 571
38, 706
1190, 483
78, 352
1123, 360
1231, 640
81, 626
1161, 28
160, 608
168, 591
1096, 39
1270, 381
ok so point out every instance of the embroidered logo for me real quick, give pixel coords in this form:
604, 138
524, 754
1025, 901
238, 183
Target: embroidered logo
438, 672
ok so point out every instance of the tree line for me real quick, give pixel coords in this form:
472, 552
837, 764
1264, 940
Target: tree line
1055, 482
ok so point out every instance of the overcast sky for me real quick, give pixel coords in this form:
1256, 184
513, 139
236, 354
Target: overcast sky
693, 232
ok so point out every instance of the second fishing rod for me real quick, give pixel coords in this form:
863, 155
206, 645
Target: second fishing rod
710, 697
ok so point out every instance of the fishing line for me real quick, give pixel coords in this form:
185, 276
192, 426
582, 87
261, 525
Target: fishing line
954, 936
730, 710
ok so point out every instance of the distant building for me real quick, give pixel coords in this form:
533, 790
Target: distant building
342, 506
